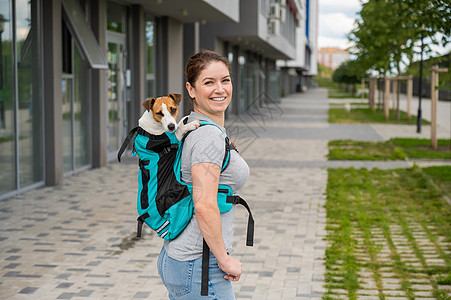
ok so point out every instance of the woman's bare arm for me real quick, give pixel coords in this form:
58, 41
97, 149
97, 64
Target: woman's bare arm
205, 188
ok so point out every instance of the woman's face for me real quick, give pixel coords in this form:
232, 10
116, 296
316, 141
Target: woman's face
213, 89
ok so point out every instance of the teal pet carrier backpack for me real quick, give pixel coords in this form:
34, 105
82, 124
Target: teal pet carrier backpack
164, 201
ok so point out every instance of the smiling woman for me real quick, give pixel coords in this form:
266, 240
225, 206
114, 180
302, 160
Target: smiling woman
209, 85
185, 267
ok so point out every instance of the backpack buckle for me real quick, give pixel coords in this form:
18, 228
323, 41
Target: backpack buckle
233, 199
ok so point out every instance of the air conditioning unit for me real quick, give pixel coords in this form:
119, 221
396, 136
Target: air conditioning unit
283, 13
274, 11
273, 27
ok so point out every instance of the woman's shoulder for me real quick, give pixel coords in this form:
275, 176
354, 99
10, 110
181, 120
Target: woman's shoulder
205, 144
208, 131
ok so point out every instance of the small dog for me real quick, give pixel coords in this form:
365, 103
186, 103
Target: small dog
160, 116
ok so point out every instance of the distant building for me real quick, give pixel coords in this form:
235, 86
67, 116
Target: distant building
297, 73
332, 57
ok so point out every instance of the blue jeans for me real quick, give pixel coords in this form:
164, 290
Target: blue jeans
183, 279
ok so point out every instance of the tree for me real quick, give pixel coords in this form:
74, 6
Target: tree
387, 31
349, 72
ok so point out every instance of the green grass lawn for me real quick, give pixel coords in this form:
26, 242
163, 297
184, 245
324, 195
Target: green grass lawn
394, 149
441, 176
388, 226
421, 148
340, 94
366, 115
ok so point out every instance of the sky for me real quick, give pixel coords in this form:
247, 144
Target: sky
336, 19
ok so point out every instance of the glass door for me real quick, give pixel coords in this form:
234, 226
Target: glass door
116, 94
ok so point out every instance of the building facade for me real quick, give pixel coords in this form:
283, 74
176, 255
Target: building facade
297, 74
73, 73
332, 57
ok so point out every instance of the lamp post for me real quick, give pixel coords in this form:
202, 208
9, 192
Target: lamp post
419, 88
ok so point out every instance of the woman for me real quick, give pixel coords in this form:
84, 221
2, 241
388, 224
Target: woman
179, 265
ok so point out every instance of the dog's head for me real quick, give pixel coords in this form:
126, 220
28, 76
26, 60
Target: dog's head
164, 110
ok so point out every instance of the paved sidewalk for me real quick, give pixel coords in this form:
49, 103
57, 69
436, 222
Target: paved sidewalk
77, 241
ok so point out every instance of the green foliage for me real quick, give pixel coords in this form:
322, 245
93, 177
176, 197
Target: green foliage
324, 77
443, 61
335, 90
387, 31
348, 72
324, 71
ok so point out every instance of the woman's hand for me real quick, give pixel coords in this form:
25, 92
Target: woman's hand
233, 268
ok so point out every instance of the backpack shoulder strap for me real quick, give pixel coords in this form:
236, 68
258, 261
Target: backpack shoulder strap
228, 146
127, 140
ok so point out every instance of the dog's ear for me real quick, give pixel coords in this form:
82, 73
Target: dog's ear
177, 98
148, 104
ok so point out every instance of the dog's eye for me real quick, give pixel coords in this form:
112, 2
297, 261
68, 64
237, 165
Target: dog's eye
173, 110
160, 113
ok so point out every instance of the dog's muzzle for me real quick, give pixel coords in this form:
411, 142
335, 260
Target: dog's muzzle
171, 127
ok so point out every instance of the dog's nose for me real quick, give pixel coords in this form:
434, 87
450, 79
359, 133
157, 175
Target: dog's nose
171, 127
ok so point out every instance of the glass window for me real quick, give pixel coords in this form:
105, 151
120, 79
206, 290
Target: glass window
231, 108
66, 87
81, 108
76, 106
116, 20
114, 106
273, 88
116, 79
150, 58
7, 133
244, 85
29, 94
21, 137
76, 21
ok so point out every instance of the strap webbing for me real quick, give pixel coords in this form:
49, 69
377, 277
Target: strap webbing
250, 220
125, 143
205, 267
228, 145
140, 220
206, 249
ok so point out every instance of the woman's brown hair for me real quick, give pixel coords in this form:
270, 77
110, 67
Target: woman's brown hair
199, 62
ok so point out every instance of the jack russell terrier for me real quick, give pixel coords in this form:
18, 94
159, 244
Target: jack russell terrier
160, 116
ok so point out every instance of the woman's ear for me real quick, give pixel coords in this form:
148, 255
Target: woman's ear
190, 90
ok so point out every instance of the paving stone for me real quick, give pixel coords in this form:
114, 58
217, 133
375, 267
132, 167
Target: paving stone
367, 292
80, 242
422, 287
423, 293
28, 290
